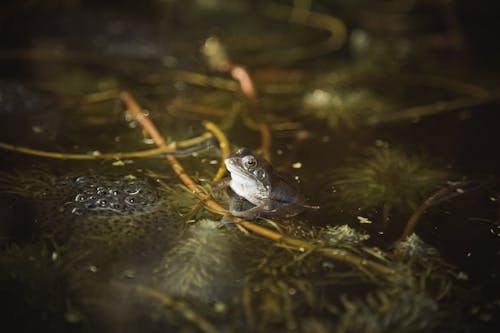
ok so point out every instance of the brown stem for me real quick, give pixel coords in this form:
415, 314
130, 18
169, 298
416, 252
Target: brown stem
223, 145
136, 111
266, 139
240, 74
219, 60
170, 148
417, 112
420, 211
335, 27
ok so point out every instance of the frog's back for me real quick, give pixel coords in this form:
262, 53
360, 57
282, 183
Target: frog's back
285, 193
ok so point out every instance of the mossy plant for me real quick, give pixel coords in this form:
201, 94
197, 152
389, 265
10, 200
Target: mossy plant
343, 107
387, 179
200, 266
403, 311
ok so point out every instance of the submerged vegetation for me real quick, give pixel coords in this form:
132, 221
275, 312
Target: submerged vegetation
343, 107
387, 179
201, 265
118, 193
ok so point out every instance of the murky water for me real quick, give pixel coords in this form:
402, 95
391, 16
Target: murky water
384, 115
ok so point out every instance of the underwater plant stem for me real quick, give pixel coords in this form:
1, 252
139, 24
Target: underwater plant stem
266, 139
303, 16
141, 117
415, 218
207, 81
240, 74
148, 126
223, 145
250, 226
178, 306
171, 148
416, 112
219, 60
224, 148
179, 105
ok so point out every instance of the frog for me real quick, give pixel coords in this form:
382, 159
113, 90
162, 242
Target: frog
254, 179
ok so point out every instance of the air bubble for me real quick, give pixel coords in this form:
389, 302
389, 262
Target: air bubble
81, 198
102, 203
101, 191
130, 200
81, 180
114, 192
116, 206
77, 211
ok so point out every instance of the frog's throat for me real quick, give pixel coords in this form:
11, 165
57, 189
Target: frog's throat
248, 188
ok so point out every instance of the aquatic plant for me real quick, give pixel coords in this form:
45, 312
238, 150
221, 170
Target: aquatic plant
343, 107
342, 234
421, 268
27, 183
201, 264
278, 290
383, 312
415, 247
282, 288
387, 179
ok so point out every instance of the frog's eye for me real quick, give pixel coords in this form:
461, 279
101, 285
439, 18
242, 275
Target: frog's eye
259, 174
249, 162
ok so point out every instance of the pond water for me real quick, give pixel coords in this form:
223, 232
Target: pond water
383, 115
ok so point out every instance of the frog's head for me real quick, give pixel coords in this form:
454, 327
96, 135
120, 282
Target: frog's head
250, 175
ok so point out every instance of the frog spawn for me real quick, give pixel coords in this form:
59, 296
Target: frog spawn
98, 210
95, 196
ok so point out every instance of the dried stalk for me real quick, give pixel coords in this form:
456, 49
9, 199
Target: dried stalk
334, 26
219, 60
171, 148
223, 145
434, 199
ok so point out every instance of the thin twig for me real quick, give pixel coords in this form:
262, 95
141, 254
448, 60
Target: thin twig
240, 74
215, 207
434, 199
224, 148
136, 111
417, 112
266, 139
171, 148
180, 105
219, 60
223, 145
334, 26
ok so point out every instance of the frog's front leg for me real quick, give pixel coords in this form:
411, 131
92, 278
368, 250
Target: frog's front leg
266, 207
222, 184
